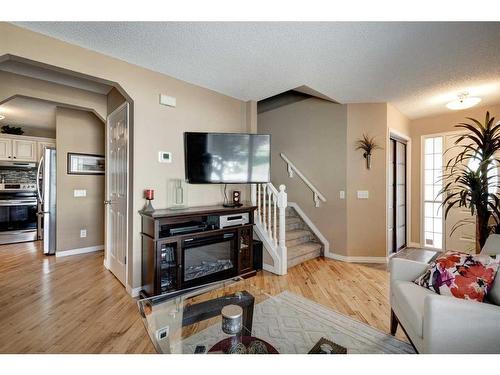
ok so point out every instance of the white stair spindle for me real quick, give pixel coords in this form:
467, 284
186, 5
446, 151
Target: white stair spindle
269, 227
275, 223
258, 203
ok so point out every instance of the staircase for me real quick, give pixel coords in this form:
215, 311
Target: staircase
300, 242
286, 236
284, 230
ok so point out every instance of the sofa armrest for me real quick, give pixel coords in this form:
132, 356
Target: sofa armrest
453, 325
405, 269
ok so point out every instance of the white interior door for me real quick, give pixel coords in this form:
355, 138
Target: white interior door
117, 192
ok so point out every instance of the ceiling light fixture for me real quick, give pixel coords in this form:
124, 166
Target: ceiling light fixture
1, 117
464, 101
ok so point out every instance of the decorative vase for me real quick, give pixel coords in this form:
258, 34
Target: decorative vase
177, 194
368, 158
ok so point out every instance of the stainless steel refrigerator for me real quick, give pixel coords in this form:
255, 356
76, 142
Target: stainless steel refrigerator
46, 189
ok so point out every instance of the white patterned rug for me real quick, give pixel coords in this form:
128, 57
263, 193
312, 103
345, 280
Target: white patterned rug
293, 324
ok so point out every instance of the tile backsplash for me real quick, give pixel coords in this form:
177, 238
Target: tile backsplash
21, 176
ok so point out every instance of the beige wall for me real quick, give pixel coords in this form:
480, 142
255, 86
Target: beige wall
14, 84
366, 218
156, 127
81, 132
312, 134
434, 125
397, 121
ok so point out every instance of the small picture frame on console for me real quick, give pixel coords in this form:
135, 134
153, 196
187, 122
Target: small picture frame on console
86, 164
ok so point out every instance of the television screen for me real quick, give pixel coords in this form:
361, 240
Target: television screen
223, 158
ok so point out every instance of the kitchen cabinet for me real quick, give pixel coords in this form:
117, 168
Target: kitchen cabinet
5, 149
23, 148
42, 145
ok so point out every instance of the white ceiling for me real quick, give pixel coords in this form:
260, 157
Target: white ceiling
416, 66
32, 113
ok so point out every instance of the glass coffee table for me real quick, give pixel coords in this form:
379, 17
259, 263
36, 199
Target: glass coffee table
191, 321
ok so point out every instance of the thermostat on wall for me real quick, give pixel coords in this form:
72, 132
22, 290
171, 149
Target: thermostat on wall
165, 157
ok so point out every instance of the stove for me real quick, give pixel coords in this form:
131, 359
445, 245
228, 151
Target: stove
18, 212
18, 188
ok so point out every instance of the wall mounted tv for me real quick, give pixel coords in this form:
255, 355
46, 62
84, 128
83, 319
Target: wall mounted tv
227, 158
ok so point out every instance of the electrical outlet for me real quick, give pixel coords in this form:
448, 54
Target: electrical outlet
162, 333
83, 233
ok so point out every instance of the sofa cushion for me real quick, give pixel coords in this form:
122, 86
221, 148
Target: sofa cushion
493, 295
492, 247
410, 300
460, 275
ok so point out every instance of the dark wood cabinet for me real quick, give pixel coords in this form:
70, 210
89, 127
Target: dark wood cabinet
245, 258
186, 248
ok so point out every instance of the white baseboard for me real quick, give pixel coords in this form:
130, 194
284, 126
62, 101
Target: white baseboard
269, 268
82, 250
349, 259
414, 244
134, 292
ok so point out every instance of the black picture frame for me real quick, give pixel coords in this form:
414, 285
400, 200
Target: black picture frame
72, 169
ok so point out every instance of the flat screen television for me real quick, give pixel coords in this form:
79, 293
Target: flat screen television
227, 158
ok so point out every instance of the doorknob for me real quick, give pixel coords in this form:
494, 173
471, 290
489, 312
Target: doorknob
107, 202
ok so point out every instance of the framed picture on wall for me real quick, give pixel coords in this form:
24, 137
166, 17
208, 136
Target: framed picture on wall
85, 164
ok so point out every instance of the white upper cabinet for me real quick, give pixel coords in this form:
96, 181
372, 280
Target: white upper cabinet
22, 148
43, 145
5, 149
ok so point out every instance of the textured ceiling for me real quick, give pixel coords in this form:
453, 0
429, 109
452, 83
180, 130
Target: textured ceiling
416, 66
33, 113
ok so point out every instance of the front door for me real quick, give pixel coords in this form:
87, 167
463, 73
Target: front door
117, 192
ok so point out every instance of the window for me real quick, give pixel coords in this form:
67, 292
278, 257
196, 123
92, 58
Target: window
432, 184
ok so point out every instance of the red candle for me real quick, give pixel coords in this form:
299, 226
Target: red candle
149, 194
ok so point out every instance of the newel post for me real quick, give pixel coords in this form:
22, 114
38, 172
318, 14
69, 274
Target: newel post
282, 204
253, 193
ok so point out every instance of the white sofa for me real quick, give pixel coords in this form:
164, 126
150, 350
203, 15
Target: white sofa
444, 324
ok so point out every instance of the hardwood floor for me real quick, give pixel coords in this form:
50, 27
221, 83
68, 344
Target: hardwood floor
74, 305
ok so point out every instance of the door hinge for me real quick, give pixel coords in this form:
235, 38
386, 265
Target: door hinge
125, 260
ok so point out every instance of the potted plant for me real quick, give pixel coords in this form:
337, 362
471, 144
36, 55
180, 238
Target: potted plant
367, 144
475, 188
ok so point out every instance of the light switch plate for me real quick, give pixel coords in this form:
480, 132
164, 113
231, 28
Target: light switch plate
342, 194
78, 193
169, 101
363, 194
165, 157
83, 233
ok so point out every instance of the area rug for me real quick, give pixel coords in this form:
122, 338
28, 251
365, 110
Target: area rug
294, 324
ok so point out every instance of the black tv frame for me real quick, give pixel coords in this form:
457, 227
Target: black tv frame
225, 182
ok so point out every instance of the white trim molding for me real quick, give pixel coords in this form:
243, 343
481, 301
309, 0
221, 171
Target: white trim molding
349, 259
312, 227
83, 250
134, 292
414, 244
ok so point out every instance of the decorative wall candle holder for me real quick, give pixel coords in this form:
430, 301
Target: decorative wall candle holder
149, 195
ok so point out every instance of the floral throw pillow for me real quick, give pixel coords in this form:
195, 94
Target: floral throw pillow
460, 275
